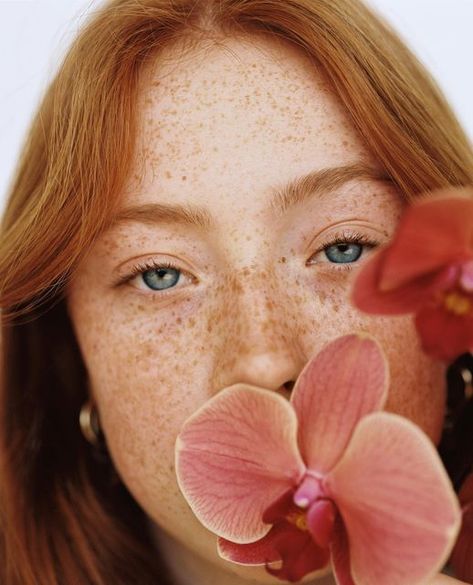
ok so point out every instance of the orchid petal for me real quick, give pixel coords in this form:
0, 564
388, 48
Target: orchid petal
466, 278
443, 334
397, 503
367, 296
336, 388
431, 234
234, 455
253, 553
341, 554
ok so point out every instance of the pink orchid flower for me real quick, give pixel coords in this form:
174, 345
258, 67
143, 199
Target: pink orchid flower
321, 476
428, 270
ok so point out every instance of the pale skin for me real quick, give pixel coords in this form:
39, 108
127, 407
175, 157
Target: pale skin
254, 296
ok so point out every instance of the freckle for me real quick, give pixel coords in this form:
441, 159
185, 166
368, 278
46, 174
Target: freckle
209, 327
179, 320
184, 178
191, 322
283, 259
168, 175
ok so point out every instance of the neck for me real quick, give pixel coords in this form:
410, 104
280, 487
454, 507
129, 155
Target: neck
187, 567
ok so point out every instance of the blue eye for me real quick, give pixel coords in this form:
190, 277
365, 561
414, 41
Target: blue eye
156, 276
161, 278
343, 252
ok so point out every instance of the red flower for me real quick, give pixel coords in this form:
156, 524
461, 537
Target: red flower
428, 270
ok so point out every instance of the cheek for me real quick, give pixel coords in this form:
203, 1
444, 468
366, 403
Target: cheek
417, 383
148, 368
417, 387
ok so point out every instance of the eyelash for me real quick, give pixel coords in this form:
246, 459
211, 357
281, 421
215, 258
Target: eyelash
343, 238
346, 238
151, 265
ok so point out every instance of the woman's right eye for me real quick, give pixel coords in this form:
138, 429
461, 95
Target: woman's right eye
156, 276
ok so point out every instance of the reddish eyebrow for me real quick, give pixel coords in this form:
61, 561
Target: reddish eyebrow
284, 197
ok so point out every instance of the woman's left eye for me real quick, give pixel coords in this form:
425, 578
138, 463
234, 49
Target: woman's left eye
344, 249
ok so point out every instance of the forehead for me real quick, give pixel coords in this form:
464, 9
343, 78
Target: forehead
250, 112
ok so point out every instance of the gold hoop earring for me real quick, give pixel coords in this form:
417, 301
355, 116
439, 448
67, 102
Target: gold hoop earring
467, 376
89, 422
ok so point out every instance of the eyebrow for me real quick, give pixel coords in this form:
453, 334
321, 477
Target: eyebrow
284, 197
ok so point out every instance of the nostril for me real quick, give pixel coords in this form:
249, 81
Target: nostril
289, 385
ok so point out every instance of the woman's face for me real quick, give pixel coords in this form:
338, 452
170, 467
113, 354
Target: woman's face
256, 288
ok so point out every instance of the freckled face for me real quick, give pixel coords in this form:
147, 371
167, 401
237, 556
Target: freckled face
252, 297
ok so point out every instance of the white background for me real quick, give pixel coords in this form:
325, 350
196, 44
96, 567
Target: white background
35, 33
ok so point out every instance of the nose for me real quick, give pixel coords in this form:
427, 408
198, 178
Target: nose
268, 368
261, 345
